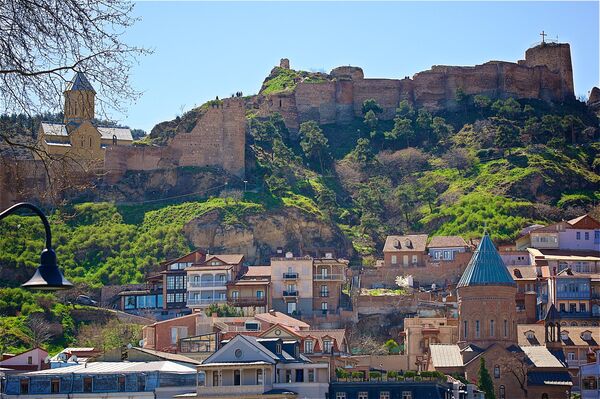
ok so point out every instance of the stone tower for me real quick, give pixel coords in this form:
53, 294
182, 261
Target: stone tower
557, 57
486, 299
79, 100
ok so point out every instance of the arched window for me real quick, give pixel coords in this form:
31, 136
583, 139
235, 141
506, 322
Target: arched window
90, 142
544, 396
502, 392
114, 139
465, 329
496, 371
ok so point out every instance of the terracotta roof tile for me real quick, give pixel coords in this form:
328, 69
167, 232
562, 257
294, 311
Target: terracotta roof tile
407, 243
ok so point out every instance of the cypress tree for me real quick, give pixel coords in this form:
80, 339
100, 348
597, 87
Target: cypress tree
485, 380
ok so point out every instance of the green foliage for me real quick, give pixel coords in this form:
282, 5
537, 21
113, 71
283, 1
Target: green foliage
313, 142
374, 375
223, 310
281, 79
392, 346
371, 105
485, 380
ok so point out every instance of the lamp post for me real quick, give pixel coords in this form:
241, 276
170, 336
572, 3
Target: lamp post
47, 276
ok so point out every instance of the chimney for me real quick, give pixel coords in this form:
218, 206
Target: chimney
272, 312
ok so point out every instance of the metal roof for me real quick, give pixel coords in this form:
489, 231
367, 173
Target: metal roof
486, 267
80, 82
540, 356
549, 378
116, 367
122, 133
446, 355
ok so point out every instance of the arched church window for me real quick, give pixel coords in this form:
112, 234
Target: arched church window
114, 139
502, 392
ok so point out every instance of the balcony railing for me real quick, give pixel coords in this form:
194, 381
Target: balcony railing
248, 301
573, 295
328, 277
238, 390
205, 301
290, 276
290, 293
202, 284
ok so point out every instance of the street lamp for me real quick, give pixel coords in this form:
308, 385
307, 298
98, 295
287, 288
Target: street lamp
47, 276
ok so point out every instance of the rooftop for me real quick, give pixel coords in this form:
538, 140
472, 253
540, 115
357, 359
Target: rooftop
486, 267
447, 242
80, 82
116, 367
408, 243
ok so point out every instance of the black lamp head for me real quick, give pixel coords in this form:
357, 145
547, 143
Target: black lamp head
47, 276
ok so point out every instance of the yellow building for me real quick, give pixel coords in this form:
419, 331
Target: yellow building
79, 138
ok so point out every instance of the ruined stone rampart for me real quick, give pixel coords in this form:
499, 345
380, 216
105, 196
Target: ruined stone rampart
217, 139
546, 74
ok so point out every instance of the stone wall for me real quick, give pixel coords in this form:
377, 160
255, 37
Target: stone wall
217, 139
546, 73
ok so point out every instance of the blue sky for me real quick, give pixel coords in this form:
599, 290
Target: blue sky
205, 49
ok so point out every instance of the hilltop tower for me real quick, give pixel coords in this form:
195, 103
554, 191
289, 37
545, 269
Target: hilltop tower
557, 57
486, 299
80, 97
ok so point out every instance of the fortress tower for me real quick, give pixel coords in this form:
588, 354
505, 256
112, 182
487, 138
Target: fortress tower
557, 57
79, 100
486, 300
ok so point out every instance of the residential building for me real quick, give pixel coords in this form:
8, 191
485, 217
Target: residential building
292, 285
579, 234
446, 247
30, 360
405, 251
79, 137
376, 389
251, 293
133, 380
207, 281
72, 356
262, 367
164, 295
487, 330
329, 277
528, 282
572, 296
571, 345
590, 377
420, 332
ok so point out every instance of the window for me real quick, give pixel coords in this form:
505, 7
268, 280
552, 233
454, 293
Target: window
492, 329
288, 376
448, 255
530, 334
496, 371
324, 307
24, 386
384, 395
505, 328
308, 346
29, 360
406, 395
363, 395
544, 396
394, 262
578, 235
502, 392
216, 379
235, 294
311, 375
465, 329
587, 235
324, 291
87, 384
291, 307
278, 349
405, 260
414, 259
122, 383
477, 331
55, 385
170, 298
327, 345
260, 294
237, 379
582, 307
571, 356
340, 395
563, 307
252, 326
572, 307
178, 333
259, 377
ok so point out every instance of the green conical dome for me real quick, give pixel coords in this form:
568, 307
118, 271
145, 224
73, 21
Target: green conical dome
486, 267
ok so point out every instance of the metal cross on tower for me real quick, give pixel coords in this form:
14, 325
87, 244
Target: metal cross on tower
543, 35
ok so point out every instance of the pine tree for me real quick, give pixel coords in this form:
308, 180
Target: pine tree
485, 380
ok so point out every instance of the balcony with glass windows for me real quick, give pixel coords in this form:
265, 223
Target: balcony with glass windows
573, 295
290, 294
290, 276
328, 277
242, 301
194, 301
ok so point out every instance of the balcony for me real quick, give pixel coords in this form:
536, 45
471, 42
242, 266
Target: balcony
237, 390
574, 315
329, 277
573, 295
205, 301
248, 301
207, 284
290, 276
542, 298
290, 294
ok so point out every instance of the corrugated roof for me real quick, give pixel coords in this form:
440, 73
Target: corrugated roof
80, 82
54, 129
445, 355
540, 356
447, 242
258, 271
173, 357
549, 378
281, 318
408, 243
122, 133
486, 267
117, 367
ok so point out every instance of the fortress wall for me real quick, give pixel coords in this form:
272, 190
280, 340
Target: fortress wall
316, 101
385, 91
344, 99
218, 139
282, 103
557, 57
